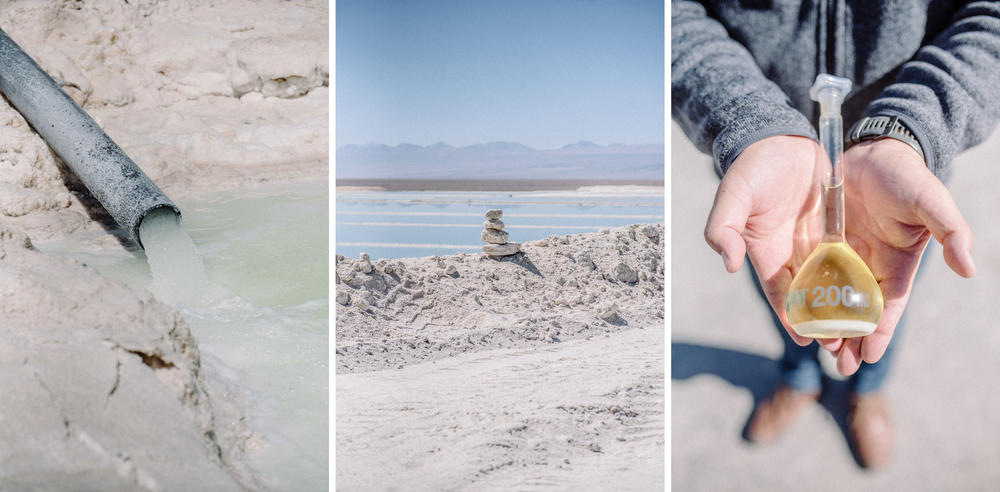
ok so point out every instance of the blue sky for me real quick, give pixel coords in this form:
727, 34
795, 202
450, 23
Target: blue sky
544, 73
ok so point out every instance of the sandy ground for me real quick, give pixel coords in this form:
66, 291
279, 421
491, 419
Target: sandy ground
724, 357
504, 374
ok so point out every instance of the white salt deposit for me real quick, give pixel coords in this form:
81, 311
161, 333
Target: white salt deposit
543, 369
409, 310
204, 96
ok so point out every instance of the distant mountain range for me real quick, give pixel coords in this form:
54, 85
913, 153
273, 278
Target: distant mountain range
501, 160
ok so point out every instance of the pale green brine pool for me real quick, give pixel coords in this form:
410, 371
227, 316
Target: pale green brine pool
262, 319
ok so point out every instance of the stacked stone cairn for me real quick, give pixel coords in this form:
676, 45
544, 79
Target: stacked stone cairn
496, 238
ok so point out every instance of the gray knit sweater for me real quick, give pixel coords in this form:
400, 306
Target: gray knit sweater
741, 71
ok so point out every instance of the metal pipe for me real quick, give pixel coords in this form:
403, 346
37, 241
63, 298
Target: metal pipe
103, 167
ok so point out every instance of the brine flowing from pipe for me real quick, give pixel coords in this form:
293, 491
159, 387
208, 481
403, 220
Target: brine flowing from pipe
262, 323
177, 267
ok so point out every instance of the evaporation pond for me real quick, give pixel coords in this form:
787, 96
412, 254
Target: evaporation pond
398, 224
263, 326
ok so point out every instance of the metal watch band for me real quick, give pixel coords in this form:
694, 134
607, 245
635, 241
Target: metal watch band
879, 127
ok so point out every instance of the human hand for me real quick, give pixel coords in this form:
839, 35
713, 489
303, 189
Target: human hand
768, 207
893, 205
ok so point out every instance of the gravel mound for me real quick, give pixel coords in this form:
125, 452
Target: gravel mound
393, 313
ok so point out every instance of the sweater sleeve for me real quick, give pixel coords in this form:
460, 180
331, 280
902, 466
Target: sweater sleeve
719, 96
948, 94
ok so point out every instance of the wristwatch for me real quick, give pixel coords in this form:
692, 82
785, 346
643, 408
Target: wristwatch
879, 127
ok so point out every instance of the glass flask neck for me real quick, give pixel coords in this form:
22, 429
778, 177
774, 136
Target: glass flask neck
833, 220
831, 132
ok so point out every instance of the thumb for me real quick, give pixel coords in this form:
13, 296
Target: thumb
939, 213
726, 222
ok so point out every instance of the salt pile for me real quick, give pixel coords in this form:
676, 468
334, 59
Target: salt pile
538, 369
395, 313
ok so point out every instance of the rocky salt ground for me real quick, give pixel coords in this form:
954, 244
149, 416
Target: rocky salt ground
392, 313
537, 371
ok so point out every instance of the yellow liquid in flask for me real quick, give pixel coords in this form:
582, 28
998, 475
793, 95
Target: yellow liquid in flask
834, 295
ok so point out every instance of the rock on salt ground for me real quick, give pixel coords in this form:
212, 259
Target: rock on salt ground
560, 288
495, 224
494, 236
500, 250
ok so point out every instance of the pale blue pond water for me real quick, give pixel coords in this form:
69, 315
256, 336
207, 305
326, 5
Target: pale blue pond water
413, 224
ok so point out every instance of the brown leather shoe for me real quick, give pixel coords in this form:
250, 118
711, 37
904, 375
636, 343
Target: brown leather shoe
870, 429
776, 413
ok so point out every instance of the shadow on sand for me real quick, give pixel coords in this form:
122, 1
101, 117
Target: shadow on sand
520, 259
757, 374
93, 207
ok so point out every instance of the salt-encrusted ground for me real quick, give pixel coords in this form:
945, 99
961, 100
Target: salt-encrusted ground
542, 369
103, 385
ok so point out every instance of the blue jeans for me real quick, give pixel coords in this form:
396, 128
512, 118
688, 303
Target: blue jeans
800, 367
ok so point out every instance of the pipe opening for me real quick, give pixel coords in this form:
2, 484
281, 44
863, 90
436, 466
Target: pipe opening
158, 215
177, 268
125, 192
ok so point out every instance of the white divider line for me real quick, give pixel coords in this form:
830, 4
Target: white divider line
515, 214
497, 203
410, 245
471, 226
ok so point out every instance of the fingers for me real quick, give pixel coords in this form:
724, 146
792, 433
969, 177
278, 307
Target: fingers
775, 289
871, 348
958, 253
726, 222
868, 349
798, 339
831, 344
939, 213
874, 345
849, 356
